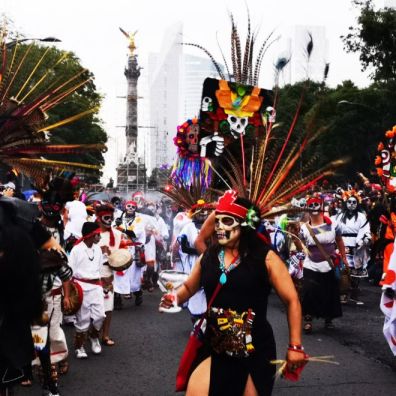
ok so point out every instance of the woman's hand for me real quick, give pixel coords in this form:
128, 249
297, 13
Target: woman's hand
295, 359
167, 301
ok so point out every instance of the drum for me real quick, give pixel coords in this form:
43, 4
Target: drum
120, 260
76, 298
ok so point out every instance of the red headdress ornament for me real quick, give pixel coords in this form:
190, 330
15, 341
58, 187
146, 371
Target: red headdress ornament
227, 205
131, 203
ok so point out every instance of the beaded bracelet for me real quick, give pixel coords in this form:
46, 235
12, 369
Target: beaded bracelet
295, 347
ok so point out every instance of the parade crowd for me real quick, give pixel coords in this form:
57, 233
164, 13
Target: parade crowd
347, 231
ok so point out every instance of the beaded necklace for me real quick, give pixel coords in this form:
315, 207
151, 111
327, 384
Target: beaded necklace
224, 271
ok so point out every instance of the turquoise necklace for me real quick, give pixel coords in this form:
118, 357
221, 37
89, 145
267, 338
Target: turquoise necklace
223, 269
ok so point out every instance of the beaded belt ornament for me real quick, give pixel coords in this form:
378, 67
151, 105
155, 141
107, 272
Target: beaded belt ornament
231, 331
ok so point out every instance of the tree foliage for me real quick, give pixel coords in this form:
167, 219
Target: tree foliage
374, 38
45, 61
354, 122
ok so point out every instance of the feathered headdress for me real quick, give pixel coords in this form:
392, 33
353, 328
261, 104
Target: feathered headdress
192, 198
385, 160
23, 111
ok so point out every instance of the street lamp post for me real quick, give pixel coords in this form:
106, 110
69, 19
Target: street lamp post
13, 43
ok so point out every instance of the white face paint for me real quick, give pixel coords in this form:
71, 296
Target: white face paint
106, 220
314, 208
130, 209
228, 229
351, 204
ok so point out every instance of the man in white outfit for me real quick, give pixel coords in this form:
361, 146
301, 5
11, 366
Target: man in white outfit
189, 255
86, 262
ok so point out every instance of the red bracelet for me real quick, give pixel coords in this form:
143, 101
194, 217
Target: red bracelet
296, 350
295, 347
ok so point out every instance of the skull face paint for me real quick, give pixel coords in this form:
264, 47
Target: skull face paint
314, 205
130, 209
106, 219
351, 204
192, 138
228, 229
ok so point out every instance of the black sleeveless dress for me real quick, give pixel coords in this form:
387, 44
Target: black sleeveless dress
247, 287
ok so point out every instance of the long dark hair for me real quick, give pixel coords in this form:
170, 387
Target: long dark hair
20, 293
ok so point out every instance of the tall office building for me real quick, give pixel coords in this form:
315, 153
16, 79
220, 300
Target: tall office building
175, 86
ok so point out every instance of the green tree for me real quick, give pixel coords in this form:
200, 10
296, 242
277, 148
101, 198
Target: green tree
59, 67
374, 38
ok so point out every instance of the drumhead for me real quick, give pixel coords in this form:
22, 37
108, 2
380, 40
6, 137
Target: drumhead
120, 259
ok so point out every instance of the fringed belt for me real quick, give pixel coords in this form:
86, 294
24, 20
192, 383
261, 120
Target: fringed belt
231, 331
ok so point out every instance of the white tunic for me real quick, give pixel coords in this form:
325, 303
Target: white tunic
86, 263
197, 303
77, 216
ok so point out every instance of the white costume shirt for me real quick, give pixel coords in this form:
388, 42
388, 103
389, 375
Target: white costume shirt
77, 216
86, 263
197, 303
326, 234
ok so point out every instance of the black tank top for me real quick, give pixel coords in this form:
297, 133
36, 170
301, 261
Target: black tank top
247, 287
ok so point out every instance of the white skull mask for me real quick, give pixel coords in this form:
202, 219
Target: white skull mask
106, 219
228, 229
351, 204
192, 138
237, 125
206, 104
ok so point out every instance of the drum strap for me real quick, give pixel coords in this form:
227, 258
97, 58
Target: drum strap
56, 292
91, 281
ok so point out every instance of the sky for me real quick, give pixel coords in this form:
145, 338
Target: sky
90, 29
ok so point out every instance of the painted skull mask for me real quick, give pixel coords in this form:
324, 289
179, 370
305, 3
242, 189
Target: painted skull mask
351, 204
130, 208
192, 138
314, 205
106, 218
227, 228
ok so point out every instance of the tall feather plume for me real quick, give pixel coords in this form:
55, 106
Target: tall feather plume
23, 118
259, 57
216, 65
224, 59
246, 57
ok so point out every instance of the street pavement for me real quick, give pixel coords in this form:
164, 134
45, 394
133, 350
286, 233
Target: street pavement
149, 344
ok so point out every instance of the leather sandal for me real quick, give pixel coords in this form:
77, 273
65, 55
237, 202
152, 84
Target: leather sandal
108, 341
26, 383
307, 328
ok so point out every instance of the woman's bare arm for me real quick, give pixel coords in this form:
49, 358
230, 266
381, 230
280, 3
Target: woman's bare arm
205, 233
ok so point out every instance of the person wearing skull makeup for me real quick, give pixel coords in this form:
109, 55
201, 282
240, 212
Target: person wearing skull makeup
242, 269
86, 261
189, 255
356, 234
110, 240
320, 294
50, 207
132, 225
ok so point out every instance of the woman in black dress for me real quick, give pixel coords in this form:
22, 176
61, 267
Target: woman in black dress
239, 342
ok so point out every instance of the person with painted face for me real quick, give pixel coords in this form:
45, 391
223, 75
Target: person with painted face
110, 240
243, 269
132, 225
189, 255
86, 261
51, 207
356, 234
320, 294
